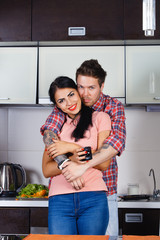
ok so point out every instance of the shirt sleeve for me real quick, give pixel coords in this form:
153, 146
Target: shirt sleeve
54, 122
117, 136
103, 121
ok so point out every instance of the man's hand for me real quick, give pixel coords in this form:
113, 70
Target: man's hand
78, 183
73, 170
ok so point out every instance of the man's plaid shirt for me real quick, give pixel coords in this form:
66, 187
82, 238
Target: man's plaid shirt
116, 139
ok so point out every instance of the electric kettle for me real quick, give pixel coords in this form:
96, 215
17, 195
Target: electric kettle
12, 179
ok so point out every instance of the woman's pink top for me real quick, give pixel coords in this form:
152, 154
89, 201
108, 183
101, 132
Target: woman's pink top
92, 177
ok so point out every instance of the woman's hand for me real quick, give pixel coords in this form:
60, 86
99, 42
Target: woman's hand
61, 147
58, 148
79, 154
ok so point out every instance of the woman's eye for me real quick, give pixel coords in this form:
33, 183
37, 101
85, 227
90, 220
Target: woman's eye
60, 101
71, 94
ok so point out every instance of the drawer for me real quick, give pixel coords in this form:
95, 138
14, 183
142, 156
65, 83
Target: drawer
14, 221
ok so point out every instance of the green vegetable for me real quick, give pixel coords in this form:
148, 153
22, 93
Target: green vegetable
31, 189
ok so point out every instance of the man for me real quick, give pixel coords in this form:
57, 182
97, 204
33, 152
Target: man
90, 78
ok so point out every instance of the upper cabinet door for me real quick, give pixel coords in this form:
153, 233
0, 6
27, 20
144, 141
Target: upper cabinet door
103, 20
133, 28
15, 20
143, 74
64, 61
18, 75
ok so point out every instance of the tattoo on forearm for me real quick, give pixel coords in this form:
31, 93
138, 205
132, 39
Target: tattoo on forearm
104, 146
48, 139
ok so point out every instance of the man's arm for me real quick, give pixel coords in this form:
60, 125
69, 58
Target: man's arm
117, 137
105, 153
54, 122
48, 139
101, 137
52, 128
72, 170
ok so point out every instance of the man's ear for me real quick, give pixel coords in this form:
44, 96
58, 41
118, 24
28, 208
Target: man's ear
102, 86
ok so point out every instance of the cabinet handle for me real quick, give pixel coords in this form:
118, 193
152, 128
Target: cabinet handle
4, 98
76, 31
134, 217
156, 98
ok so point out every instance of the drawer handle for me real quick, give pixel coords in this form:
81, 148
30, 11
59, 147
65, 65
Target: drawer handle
156, 98
76, 31
4, 98
134, 217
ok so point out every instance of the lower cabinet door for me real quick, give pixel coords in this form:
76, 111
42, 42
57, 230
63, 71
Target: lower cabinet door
39, 217
138, 222
39, 220
14, 221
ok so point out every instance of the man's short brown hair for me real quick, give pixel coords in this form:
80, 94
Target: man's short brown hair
92, 68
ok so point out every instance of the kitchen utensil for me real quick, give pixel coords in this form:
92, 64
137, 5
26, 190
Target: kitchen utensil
12, 179
135, 197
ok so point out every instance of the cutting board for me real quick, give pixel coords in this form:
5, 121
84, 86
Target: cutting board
126, 237
64, 237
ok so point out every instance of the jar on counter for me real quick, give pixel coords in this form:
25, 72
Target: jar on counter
133, 189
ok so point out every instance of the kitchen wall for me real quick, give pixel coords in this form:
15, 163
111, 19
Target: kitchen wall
21, 142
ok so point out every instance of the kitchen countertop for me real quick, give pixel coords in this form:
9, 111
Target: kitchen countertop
12, 202
139, 204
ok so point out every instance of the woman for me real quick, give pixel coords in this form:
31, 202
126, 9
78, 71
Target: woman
73, 211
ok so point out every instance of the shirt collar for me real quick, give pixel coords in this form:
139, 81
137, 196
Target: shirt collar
99, 105
70, 120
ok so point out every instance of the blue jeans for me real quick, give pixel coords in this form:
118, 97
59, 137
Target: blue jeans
83, 213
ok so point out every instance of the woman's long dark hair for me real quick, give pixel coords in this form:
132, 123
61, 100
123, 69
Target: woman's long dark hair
86, 112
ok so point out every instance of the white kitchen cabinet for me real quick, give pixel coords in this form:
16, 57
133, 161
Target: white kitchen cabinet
58, 61
18, 75
143, 74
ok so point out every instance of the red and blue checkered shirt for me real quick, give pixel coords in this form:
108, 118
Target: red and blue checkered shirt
116, 139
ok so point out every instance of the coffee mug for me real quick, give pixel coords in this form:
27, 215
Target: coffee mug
88, 154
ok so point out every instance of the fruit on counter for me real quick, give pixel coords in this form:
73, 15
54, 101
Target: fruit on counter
34, 191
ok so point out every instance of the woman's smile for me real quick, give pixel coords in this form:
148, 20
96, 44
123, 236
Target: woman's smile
73, 107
